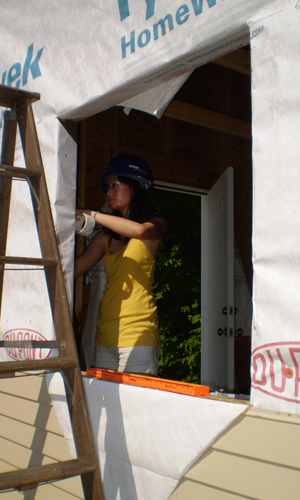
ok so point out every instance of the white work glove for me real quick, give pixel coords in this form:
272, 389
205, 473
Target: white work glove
84, 224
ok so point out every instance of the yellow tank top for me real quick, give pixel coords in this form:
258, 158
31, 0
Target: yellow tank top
127, 313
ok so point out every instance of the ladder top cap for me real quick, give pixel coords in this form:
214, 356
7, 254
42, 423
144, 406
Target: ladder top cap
10, 96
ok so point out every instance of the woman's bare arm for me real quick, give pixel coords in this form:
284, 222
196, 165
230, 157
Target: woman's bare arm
92, 254
153, 230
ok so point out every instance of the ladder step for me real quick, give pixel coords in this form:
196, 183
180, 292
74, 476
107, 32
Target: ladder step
29, 261
26, 478
29, 344
10, 96
10, 171
53, 364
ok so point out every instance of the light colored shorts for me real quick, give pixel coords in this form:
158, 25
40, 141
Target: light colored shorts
136, 359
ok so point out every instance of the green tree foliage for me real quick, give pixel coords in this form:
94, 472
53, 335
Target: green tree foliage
177, 286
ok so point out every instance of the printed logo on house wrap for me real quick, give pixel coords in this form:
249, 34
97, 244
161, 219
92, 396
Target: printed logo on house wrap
169, 22
276, 370
17, 75
28, 353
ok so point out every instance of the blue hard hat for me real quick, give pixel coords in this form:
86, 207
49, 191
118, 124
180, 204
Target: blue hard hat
128, 166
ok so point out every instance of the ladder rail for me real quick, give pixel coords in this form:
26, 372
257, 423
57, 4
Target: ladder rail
7, 157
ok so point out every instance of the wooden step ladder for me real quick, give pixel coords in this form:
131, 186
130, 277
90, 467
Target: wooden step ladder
86, 464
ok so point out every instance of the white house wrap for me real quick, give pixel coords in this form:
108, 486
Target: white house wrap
84, 57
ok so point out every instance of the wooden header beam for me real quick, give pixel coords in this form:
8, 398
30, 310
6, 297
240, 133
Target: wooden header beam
196, 115
238, 60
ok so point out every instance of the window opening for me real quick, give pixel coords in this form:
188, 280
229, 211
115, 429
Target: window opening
177, 284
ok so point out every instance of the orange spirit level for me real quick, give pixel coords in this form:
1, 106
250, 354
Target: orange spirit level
151, 382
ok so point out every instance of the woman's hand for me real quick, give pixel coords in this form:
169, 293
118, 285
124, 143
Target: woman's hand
86, 211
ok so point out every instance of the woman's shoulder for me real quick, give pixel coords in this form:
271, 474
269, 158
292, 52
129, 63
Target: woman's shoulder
102, 238
160, 221
157, 230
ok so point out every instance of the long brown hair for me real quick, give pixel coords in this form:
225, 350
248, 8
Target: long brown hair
139, 209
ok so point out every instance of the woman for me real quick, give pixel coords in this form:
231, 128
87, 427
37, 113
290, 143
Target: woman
127, 336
